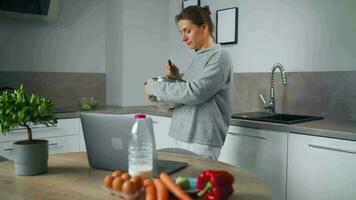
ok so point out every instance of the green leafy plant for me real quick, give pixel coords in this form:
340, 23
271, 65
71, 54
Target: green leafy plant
18, 109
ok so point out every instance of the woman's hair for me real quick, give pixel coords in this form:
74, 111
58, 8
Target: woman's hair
198, 16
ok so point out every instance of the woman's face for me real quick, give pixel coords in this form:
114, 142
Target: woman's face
195, 37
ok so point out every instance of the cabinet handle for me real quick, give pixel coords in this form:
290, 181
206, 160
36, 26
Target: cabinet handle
8, 149
53, 144
50, 145
44, 127
253, 136
35, 127
332, 148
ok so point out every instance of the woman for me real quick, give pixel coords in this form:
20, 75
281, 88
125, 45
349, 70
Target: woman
201, 124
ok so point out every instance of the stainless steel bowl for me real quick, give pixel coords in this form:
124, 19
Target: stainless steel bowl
165, 79
157, 101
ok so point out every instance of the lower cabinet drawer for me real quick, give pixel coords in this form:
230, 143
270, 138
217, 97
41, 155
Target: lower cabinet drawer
63, 144
55, 145
65, 127
6, 150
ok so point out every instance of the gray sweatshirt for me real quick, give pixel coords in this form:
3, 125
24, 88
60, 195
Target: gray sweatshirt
205, 115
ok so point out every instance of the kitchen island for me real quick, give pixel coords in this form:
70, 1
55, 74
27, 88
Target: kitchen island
70, 177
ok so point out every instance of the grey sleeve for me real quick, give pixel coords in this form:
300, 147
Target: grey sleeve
209, 81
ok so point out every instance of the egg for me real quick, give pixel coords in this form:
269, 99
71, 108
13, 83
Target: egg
108, 179
129, 187
137, 180
116, 173
125, 176
117, 184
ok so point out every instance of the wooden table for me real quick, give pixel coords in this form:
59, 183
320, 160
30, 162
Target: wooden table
70, 177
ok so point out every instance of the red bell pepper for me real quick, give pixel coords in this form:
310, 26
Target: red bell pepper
215, 185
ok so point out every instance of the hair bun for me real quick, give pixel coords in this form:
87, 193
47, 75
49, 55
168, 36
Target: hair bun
207, 9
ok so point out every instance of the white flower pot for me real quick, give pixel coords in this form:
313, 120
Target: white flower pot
30, 158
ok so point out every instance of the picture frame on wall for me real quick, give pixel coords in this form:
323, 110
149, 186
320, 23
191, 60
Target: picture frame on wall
226, 26
186, 3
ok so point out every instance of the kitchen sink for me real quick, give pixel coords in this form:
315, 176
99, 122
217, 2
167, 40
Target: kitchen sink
275, 118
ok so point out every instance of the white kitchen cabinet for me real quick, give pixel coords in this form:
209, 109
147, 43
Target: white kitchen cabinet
161, 128
62, 128
82, 146
63, 144
321, 168
62, 138
6, 150
259, 151
55, 145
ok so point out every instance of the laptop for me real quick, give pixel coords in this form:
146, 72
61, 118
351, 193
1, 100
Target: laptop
107, 138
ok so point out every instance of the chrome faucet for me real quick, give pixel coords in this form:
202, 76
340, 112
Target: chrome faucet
271, 106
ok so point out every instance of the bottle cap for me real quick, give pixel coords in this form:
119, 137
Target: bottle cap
140, 116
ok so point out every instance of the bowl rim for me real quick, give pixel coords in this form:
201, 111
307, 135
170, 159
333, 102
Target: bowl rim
163, 78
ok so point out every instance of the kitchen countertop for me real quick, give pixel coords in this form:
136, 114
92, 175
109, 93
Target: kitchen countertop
151, 110
331, 128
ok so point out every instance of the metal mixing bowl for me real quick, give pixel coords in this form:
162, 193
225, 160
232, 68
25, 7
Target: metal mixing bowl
157, 101
165, 79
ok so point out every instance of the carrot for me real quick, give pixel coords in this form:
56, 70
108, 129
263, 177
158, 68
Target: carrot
147, 181
172, 186
161, 189
150, 192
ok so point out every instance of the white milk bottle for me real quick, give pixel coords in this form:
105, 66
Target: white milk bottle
141, 147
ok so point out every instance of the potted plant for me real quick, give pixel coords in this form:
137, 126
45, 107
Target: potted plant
20, 110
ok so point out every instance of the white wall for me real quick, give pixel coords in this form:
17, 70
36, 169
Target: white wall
178, 52
131, 40
304, 35
75, 42
126, 39
114, 52
145, 46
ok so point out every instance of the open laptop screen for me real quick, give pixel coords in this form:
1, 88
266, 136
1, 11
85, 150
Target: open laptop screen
107, 137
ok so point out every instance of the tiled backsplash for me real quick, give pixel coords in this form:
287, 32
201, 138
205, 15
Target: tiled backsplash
327, 94
65, 89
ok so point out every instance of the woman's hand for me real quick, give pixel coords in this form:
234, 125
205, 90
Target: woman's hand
172, 70
146, 92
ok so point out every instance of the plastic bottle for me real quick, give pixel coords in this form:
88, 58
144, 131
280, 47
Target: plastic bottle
141, 147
